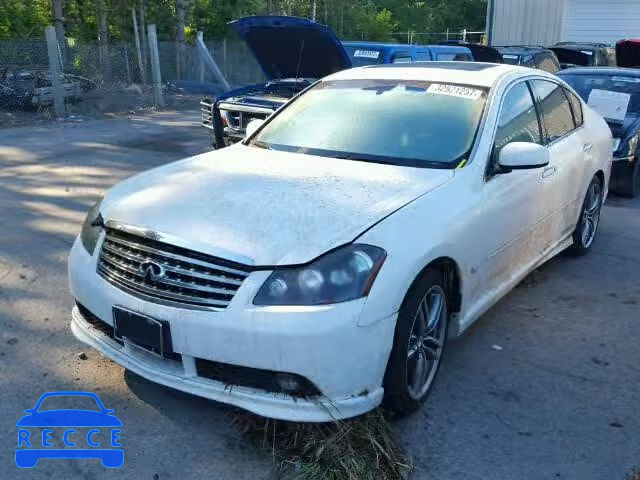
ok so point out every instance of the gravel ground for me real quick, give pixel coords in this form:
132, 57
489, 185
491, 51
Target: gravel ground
544, 386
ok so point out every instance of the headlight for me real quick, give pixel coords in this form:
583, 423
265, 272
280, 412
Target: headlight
91, 228
342, 275
633, 144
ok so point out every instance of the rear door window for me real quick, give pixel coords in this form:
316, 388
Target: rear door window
576, 107
555, 110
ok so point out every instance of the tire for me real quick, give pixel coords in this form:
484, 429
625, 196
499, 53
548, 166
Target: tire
587, 227
403, 394
631, 188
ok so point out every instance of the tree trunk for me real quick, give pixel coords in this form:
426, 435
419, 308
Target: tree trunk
179, 37
58, 21
103, 38
103, 29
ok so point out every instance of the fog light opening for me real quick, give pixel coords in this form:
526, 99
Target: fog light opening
288, 382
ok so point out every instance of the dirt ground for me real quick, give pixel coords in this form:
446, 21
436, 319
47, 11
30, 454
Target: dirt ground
545, 386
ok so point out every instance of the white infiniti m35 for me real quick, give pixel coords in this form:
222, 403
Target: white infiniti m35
316, 270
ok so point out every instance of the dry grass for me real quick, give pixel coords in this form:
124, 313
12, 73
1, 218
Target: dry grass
360, 449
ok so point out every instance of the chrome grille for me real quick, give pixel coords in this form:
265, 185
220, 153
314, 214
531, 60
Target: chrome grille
206, 114
188, 277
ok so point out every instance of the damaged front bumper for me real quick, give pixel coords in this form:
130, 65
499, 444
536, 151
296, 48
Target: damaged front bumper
324, 345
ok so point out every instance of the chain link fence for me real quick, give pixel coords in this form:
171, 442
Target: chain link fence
113, 78
116, 77
24, 72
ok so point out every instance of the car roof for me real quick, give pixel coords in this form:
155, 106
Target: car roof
466, 73
583, 44
521, 49
381, 45
389, 46
627, 72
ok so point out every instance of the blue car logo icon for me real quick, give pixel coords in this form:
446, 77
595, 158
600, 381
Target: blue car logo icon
83, 433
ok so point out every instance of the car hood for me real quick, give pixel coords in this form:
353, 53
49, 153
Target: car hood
262, 207
69, 418
628, 53
292, 47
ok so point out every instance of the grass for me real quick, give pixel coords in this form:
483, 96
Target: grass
363, 448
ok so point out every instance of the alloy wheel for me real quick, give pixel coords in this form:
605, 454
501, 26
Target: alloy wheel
426, 342
591, 214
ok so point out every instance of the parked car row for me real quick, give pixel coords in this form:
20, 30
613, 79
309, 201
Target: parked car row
295, 52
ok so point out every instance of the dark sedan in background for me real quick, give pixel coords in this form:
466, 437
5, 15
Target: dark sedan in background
530, 56
615, 94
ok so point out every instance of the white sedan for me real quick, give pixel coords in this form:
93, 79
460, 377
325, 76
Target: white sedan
315, 270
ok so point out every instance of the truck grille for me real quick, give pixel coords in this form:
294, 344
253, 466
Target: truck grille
205, 114
150, 268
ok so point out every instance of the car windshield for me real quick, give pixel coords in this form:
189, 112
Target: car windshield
69, 402
362, 56
412, 123
621, 83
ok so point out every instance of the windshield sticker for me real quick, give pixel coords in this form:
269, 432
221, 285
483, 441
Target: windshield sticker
587, 52
455, 91
367, 53
510, 57
626, 79
611, 105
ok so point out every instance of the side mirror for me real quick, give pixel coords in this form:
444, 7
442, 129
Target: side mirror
523, 155
252, 126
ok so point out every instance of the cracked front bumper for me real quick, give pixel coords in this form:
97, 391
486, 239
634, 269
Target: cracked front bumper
325, 345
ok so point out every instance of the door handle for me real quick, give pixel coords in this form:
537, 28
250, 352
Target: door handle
547, 172
587, 147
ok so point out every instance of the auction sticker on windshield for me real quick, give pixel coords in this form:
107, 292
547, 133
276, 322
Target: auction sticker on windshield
611, 105
455, 91
367, 53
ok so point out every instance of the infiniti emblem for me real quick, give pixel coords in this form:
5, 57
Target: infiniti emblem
151, 271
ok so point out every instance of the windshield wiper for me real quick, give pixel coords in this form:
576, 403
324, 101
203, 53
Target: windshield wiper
259, 144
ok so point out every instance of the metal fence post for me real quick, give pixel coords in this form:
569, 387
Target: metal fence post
155, 66
143, 76
54, 67
200, 38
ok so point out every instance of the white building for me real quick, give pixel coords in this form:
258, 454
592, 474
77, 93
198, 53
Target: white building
545, 22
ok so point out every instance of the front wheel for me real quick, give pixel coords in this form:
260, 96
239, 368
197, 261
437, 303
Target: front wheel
587, 227
418, 344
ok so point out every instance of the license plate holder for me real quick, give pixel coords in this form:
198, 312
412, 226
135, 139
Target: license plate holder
141, 331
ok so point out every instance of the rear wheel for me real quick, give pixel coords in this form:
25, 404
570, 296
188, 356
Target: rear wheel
418, 344
585, 232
